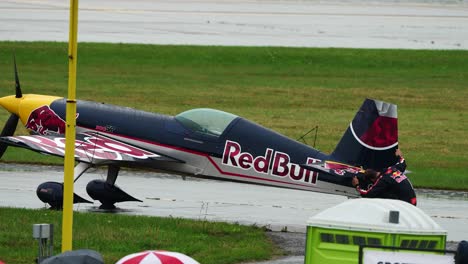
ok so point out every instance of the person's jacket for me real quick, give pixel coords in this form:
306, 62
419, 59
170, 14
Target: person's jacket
391, 184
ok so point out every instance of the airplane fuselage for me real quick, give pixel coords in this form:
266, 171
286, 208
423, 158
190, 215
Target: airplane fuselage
244, 151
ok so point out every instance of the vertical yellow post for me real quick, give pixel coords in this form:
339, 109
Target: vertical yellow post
67, 220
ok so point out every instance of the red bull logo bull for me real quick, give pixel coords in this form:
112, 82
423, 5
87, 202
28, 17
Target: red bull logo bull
45, 121
274, 163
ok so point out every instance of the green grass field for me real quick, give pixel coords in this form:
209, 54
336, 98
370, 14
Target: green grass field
290, 90
115, 236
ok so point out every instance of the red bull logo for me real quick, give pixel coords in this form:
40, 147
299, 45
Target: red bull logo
274, 163
45, 121
342, 169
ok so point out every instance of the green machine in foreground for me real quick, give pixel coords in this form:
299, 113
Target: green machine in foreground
334, 235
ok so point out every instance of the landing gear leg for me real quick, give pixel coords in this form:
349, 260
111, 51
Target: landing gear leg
112, 173
80, 168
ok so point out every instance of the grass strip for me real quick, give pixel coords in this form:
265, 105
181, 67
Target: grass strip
115, 236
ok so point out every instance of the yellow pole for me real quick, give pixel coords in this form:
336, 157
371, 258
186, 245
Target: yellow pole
67, 220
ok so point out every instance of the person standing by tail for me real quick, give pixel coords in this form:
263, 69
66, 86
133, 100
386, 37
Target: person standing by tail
392, 183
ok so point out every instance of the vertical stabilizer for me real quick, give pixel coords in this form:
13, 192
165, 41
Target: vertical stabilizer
371, 138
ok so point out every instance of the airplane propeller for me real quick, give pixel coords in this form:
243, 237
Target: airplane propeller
19, 94
12, 122
8, 130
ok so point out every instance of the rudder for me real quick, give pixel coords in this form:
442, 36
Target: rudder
371, 138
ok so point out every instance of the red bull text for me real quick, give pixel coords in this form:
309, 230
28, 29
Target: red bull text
274, 163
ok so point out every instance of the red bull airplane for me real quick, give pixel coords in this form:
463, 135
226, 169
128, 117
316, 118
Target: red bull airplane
198, 142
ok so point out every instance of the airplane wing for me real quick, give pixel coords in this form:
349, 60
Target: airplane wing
90, 148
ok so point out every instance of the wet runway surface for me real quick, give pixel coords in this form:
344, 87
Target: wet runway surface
358, 24
169, 195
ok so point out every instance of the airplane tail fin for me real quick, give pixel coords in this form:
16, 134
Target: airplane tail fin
371, 138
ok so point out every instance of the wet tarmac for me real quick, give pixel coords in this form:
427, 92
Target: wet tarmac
412, 24
169, 195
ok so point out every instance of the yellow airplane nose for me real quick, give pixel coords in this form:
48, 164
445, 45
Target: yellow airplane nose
23, 106
11, 103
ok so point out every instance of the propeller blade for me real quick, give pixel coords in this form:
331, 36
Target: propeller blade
8, 130
19, 94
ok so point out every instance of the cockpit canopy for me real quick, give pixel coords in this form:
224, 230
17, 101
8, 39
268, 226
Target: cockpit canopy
205, 120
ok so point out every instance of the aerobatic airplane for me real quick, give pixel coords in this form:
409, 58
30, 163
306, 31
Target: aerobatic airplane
198, 142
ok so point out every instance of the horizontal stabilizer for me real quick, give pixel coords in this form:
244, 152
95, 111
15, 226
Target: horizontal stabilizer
334, 169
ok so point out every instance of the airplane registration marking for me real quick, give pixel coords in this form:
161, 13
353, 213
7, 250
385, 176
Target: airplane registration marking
277, 164
92, 147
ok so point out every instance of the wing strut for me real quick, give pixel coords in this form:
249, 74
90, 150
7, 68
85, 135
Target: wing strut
81, 168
